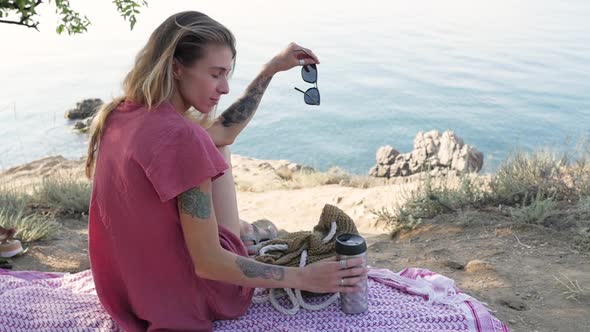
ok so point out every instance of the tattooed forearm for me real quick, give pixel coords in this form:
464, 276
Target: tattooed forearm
244, 107
195, 203
253, 269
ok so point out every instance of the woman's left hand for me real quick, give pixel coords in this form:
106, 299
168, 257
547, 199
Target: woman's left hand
293, 55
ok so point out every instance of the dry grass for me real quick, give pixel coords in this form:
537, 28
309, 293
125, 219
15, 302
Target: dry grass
582, 241
435, 196
582, 215
530, 184
523, 177
582, 212
580, 170
12, 202
247, 186
335, 175
306, 178
534, 186
571, 289
64, 194
31, 214
30, 227
536, 212
396, 220
13, 214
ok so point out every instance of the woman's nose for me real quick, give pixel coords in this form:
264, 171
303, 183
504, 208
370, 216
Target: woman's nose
223, 87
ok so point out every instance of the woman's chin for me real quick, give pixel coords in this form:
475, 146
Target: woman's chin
205, 110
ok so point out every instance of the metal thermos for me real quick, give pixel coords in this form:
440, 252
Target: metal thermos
350, 246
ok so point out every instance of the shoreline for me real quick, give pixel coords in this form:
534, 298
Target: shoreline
259, 181
434, 150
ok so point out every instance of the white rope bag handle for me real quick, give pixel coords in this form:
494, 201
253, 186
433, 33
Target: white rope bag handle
294, 295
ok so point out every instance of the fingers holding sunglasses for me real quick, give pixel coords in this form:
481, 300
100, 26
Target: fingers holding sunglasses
306, 61
305, 54
292, 56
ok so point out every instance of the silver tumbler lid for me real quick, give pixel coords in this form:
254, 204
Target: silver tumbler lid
350, 244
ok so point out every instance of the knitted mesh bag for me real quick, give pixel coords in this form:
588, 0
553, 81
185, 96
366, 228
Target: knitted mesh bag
313, 241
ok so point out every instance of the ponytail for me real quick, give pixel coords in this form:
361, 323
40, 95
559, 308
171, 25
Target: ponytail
96, 131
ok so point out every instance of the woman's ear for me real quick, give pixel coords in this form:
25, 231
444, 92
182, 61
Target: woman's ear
176, 69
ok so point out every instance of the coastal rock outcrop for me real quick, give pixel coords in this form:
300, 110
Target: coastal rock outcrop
435, 152
84, 112
84, 109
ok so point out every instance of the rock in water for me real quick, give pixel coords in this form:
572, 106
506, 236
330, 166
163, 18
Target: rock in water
432, 152
84, 109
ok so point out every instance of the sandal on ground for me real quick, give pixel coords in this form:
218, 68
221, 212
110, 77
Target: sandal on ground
5, 264
9, 246
263, 230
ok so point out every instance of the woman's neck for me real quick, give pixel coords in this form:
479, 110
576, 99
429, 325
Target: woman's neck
179, 103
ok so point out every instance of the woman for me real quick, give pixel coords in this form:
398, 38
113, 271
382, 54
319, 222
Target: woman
164, 231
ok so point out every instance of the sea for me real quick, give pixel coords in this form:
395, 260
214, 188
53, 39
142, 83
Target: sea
504, 75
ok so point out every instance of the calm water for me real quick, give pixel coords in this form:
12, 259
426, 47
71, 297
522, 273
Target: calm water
501, 74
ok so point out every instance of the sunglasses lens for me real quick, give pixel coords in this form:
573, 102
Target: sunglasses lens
312, 96
309, 73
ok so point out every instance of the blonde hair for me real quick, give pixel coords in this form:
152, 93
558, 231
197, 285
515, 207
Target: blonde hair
184, 37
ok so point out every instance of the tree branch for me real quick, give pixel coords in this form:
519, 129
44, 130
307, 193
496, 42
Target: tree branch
21, 23
70, 20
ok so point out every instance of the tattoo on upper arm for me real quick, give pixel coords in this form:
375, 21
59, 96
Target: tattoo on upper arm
195, 203
243, 108
253, 269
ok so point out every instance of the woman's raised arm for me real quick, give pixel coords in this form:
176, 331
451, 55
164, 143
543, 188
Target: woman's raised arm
232, 121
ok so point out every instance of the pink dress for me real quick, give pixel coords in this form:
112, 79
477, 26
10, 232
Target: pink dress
142, 269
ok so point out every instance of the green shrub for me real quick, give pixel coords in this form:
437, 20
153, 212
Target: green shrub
536, 212
396, 220
432, 199
522, 177
64, 194
12, 202
30, 227
582, 210
13, 214
582, 241
580, 170
579, 177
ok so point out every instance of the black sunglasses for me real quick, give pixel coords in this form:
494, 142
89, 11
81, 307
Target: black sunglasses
310, 75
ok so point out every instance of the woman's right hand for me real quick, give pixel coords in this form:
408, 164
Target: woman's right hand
328, 276
291, 56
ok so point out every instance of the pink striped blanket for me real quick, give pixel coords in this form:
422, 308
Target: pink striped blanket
412, 300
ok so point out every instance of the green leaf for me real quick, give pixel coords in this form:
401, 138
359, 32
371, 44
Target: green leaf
70, 20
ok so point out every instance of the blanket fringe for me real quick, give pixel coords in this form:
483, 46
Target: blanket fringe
436, 288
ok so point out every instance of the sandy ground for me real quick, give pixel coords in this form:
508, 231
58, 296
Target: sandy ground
511, 267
